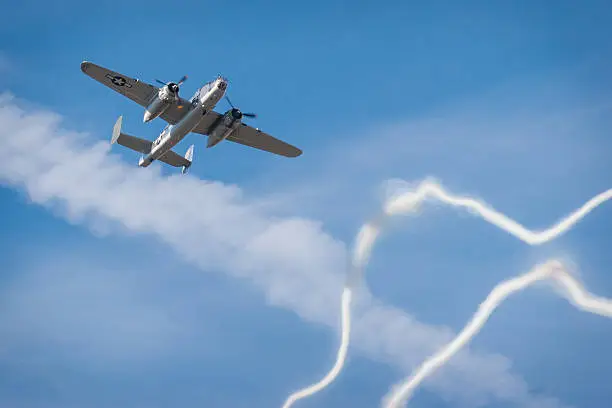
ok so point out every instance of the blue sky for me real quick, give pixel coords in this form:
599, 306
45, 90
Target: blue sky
140, 288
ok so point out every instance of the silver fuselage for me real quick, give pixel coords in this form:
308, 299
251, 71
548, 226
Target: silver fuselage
204, 100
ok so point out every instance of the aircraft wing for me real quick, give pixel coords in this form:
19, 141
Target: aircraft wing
207, 122
140, 92
249, 136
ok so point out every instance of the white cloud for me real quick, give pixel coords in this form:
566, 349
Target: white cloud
528, 134
292, 260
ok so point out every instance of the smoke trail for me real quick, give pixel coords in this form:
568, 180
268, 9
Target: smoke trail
340, 359
365, 241
581, 298
409, 202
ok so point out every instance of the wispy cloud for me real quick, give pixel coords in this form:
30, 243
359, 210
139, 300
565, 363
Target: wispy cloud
291, 259
529, 134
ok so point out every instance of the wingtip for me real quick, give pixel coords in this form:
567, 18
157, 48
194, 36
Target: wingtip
85, 65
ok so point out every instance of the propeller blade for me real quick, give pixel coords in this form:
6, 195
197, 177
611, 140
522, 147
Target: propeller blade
160, 82
249, 115
183, 79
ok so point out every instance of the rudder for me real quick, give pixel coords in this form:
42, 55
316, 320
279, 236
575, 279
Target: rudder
142, 146
117, 130
189, 158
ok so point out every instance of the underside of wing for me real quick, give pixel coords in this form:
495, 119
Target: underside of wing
174, 159
207, 122
175, 112
138, 91
249, 136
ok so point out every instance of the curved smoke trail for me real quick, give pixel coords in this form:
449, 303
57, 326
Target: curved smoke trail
409, 202
554, 269
340, 359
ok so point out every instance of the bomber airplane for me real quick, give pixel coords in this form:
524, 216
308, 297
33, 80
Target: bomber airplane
183, 117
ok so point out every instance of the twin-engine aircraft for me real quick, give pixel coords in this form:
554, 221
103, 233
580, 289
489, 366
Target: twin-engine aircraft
183, 116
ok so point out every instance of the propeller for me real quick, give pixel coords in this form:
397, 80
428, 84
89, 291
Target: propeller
237, 113
173, 86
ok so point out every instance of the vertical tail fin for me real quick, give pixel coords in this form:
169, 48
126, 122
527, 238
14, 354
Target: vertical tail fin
189, 158
117, 130
142, 146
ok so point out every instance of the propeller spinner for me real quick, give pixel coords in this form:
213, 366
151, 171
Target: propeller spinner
237, 113
173, 86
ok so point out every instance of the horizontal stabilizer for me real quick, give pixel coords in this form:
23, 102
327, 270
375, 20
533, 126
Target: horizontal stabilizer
131, 142
176, 160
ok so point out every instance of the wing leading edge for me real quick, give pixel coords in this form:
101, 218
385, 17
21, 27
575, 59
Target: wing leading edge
249, 136
138, 91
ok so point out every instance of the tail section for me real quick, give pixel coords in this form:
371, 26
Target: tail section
189, 159
117, 130
176, 160
142, 146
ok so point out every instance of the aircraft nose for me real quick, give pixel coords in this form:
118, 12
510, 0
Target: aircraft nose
222, 85
147, 116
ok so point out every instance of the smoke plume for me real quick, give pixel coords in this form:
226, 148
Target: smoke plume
409, 202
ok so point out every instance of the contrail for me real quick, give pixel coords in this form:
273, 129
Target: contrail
409, 202
581, 298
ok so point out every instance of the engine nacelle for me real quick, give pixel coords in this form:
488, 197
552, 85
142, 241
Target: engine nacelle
224, 128
166, 96
168, 93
